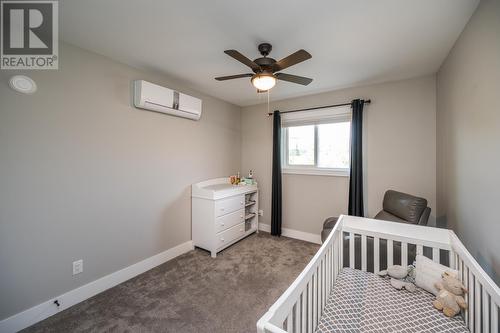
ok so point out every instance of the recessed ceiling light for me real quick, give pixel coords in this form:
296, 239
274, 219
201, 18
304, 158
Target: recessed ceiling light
22, 84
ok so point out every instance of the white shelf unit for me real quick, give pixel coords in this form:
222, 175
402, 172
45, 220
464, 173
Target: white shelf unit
251, 210
223, 214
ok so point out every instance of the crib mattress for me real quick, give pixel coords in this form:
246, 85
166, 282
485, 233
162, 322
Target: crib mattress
364, 302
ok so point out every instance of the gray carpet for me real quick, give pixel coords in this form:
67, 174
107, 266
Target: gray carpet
193, 292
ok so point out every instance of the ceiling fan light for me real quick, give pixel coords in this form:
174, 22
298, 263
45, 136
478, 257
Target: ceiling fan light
264, 81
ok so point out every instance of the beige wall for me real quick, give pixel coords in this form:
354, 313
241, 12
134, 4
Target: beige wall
399, 152
84, 175
468, 124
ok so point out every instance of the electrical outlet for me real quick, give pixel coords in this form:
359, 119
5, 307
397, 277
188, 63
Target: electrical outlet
261, 212
77, 266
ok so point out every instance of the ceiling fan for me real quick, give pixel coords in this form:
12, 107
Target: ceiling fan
264, 69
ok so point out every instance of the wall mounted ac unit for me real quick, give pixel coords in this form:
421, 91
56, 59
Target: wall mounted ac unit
150, 96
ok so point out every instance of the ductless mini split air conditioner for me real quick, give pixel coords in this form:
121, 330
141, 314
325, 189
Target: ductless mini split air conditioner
152, 97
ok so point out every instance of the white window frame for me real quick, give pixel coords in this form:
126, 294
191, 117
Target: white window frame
316, 117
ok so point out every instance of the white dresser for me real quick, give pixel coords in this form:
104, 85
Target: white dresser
222, 213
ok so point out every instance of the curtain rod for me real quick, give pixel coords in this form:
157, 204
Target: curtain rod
368, 101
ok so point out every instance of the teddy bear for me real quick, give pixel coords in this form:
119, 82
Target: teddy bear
450, 299
401, 277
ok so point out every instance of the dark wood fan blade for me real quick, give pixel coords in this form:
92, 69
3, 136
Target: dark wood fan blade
241, 58
230, 77
292, 59
293, 78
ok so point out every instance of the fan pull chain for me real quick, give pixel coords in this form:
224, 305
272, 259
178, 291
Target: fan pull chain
268, 100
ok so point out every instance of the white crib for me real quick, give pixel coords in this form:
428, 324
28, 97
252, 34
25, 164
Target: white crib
301, 305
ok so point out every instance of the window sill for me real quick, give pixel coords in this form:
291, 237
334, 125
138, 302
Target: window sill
316, 172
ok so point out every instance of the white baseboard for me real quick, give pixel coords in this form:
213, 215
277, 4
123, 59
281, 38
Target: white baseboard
292, 233
46, 309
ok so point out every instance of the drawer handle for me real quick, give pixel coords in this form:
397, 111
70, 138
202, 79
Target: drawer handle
241, 229
222, 223
222, 239
241, 202
241, 216
222, 209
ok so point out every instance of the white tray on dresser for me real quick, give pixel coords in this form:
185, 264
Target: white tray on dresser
222, 214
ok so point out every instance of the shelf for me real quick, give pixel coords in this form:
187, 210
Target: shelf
249, 231
249, 216
250, 203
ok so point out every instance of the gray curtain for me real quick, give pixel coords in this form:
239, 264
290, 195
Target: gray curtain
276, 181
356, 175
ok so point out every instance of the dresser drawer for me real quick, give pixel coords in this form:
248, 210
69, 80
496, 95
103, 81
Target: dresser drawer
226, 206
227, 221
229, 235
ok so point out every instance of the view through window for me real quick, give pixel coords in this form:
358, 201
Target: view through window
318, 146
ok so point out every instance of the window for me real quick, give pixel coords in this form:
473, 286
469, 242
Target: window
317, 142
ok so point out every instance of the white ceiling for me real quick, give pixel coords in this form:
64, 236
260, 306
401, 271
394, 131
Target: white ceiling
352, 42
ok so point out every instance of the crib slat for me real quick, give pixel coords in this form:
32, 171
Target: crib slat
321, 289
289, 321
404, 254
341, 250
333, 255
463, 269
336, 255
452, 259
420, 249
318, 297
296, 316
303, 313
494, 316
390, 248
466, 284
351, 250
460, 269
309, 307
325, 284
320, 294
376, 255
486, 313
364, 255
341, 255
471, 304
330, 271
327, 281
435, 254
318, 300
327, 273
477, 307
315, 300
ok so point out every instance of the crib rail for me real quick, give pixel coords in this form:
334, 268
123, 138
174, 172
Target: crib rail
398, 238
301, 306
483, 297
365, 243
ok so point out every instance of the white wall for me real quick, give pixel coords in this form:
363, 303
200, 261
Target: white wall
468, 124
399, 152
84, 175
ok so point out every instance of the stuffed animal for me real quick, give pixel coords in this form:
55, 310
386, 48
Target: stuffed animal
449, 299
401, 277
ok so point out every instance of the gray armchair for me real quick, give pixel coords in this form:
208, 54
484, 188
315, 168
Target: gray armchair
396, 207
